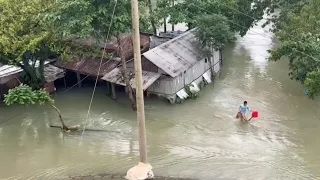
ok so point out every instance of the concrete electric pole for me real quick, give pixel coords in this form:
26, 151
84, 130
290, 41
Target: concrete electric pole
138, 77
143, 170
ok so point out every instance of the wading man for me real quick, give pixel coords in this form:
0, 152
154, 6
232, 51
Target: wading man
243, 110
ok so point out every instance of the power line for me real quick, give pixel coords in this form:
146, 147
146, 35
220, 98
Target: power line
103, 53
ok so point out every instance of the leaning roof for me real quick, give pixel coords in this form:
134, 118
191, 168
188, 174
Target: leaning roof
177, 55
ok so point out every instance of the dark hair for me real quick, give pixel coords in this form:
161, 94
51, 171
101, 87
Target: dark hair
245, 102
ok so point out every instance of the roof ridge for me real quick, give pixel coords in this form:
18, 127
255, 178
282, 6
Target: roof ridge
175, 38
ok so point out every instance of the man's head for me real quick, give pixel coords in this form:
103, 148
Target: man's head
245, 103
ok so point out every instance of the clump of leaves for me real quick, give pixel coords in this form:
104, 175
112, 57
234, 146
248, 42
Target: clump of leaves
190, 92
312, 83
24, 95
213, 31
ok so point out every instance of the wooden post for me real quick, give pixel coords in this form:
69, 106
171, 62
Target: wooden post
165, 25
113, 89
220, 56
108, 88
138, 77
79, 80
65, 82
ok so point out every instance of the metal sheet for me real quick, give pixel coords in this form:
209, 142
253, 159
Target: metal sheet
115, 76
7, 70
182, 94
177, 55
88, 66
207, 78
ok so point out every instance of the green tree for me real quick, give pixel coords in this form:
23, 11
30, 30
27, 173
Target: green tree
300, 44
25, 95
278, 11
88, 18
189, 11
24, 37
217, 34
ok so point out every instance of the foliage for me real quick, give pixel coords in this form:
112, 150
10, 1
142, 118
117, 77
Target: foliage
313, 83
24, 95
23, 36
300, 43
88, 18
189, 11
217, 34
192, 94
217, 21
278, 12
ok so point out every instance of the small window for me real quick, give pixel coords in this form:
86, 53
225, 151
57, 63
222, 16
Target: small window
205, 60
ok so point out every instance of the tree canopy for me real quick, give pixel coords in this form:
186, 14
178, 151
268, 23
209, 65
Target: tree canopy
24, 37
33, 30
298, 32
217, 21
92, 18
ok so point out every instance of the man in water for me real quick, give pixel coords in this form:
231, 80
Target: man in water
243, 110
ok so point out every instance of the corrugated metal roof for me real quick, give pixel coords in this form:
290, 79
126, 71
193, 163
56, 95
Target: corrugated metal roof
52, 73
112, 45
88, 66
7, 70
177, 55
115, 76
156, 41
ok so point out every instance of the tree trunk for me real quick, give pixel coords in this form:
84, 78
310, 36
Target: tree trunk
34, 76
125, 75
41, 71
64, 126
153, 24
190, 26
172, 25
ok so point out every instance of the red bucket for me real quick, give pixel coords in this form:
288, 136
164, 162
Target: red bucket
255, 114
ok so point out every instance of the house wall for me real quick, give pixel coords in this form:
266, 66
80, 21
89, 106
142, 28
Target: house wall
146, 65
156, 41
167, 85
4, 88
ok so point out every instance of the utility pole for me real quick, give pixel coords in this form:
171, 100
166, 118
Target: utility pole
138, 77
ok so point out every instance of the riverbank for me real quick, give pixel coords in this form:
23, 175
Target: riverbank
113, 177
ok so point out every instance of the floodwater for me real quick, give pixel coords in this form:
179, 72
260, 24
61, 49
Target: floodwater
198, 139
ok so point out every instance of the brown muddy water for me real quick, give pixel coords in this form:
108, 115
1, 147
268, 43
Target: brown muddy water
198, 139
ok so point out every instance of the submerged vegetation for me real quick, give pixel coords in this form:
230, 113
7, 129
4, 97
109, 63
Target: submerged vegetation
25, 95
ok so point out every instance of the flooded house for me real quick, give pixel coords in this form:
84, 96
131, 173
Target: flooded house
10, 77
173, 69
84, 67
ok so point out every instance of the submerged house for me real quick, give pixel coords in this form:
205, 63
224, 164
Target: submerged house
89, 66
10, 74
172, 66
9, 78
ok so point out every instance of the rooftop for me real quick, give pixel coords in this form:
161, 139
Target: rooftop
88, 66
115, 76
176, 55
